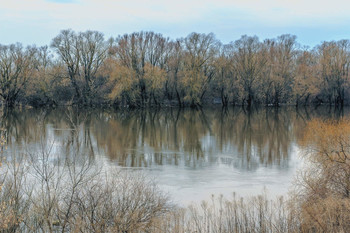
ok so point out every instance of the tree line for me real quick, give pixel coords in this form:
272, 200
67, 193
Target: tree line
147, 69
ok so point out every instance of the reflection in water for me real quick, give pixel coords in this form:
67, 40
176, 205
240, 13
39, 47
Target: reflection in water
144, 138
210, 144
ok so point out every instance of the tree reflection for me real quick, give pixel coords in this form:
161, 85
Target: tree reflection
195, 138
244, 139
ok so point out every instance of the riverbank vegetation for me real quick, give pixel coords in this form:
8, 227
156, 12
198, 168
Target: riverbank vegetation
61, 189
147, 69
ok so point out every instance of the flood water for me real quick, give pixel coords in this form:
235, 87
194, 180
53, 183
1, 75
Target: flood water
190, 153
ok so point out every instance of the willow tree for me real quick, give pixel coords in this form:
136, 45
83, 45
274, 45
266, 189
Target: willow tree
279, 69
306, 84
174, 67
145, 55
334, 62
83, 54
226, 81
200, 51
40, 89
249, 62
16, 67
285, 52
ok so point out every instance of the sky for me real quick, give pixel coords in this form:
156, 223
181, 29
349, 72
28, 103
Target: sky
312, 21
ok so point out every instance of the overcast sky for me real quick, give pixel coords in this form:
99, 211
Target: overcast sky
312, 21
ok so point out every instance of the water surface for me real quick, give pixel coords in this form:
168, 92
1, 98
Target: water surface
191, 153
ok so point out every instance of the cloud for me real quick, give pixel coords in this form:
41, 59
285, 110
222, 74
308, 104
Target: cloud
226, 18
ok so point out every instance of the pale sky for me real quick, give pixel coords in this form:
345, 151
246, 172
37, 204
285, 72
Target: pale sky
312, 21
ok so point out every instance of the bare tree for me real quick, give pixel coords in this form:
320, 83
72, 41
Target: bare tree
144, 56
175, 65
83, 54
226, 76
282, 59
249, 62
306, 84
16, 67
200, 51
334, 62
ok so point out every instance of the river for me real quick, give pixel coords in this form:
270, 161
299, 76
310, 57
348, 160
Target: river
191, 154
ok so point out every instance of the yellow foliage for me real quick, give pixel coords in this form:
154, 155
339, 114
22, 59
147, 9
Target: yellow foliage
155, 78
328, 141
324, 192
124, 79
